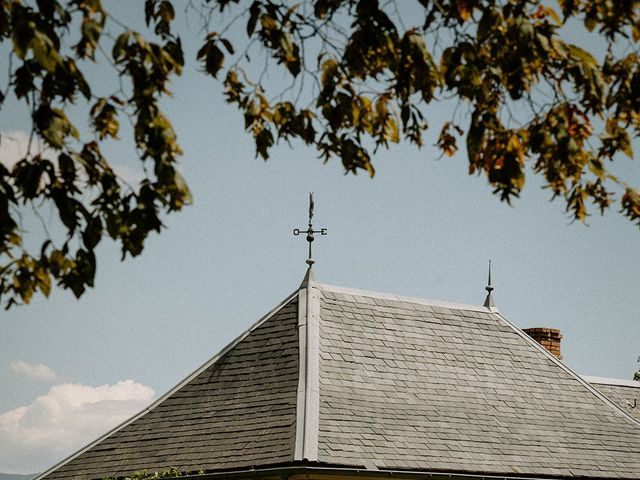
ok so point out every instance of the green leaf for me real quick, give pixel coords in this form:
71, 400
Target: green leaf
118, 52
44, 51
227, 45
67, 167
475, 137
92, 234
590, 23
212, 57
254, 14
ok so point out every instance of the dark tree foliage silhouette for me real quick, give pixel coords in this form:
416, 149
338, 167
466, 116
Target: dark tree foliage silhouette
362, 76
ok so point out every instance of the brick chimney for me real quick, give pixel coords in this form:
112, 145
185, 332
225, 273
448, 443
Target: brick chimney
549, 338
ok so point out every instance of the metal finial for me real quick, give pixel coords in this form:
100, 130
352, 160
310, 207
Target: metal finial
489, 300
310, 231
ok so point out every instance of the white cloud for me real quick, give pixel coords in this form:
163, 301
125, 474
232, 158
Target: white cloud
37, 371
14, 147
35, 437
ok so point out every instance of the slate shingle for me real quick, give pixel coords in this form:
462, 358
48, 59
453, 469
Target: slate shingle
404, 384
626, 397
239, 412
410, 385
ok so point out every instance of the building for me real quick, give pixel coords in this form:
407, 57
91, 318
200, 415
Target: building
337, 383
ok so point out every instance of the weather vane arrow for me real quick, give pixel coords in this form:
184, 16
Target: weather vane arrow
310, 231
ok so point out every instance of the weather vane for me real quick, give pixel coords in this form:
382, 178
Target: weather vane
310, 231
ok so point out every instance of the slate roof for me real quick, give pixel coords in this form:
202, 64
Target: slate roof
345, 379
624, 393
237, 410
415, 385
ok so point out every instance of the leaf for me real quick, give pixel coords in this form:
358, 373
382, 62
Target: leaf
293, 61
118, 52
44, 281
268, 22
91, 31
475, 137
582, 55
92, 233
26, 292
212, 57
20, 39
67, 167
465, 9
391, 132
166, 11
254, 13
381, 106
369, 168
14, 239
227, 45
625, 145
552, 13
405, 112
105, 121
54, 126
184, 197
44, 51
329, 68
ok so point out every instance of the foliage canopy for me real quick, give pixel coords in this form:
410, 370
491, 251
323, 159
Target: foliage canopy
362, 76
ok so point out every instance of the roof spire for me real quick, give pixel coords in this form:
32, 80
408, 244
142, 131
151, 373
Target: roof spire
489, 300
310, 231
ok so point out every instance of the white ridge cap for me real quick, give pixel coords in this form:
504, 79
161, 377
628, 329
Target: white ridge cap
390, 296
611, 381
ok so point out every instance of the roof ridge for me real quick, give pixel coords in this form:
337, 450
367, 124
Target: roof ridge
401, 298
620, 382
308, 401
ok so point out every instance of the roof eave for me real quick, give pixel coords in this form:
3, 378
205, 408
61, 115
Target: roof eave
336, 472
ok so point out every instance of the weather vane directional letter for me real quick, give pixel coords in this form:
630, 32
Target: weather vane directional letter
310, 231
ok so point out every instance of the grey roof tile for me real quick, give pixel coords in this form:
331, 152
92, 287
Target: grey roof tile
462, 389
625, 396
403, 384
238, 412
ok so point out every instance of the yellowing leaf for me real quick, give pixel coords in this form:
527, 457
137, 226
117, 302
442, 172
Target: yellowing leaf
44, 281
369, 168
552, 13
381, 106
514, 143
582, 55
268, 22
14, 238
391, 132
465, 9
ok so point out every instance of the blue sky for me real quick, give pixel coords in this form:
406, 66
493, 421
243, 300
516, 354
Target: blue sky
421, 227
